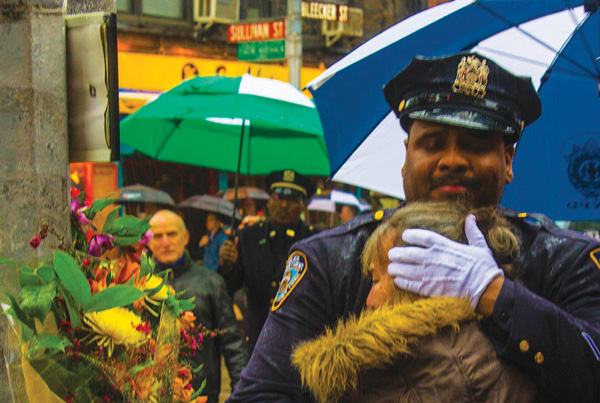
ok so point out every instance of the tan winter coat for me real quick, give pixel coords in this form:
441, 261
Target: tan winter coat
411, 352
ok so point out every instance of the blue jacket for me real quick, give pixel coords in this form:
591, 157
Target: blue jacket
210, 257
546, 321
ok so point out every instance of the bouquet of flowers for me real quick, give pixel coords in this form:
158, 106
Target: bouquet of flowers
97, 324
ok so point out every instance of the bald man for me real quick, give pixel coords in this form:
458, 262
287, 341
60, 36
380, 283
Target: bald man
214, 308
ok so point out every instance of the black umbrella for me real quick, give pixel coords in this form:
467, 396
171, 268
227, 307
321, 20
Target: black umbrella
144, 194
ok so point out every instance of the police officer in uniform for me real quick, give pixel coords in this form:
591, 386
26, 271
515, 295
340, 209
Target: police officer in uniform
463, 114
262, 249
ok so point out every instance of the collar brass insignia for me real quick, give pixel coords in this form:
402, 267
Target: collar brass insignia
471, 77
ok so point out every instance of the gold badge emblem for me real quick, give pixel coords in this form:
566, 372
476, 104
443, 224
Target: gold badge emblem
471, 77
288, 176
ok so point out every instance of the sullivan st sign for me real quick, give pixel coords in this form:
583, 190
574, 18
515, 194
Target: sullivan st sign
260, 31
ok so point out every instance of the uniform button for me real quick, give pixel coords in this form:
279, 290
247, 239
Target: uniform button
247, 338
524, 346
291, 233
503, 316
274, 284
378, 215
538, 357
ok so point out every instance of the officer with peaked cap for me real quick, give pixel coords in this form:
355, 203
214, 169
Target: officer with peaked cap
262, 249
463, 114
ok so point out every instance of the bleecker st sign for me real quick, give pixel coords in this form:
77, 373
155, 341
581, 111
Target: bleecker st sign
324, 11
261, 31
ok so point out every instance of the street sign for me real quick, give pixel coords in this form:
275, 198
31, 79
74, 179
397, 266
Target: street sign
260, 31
324, 11
262, 50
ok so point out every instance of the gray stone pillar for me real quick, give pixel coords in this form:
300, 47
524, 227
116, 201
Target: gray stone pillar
34, 178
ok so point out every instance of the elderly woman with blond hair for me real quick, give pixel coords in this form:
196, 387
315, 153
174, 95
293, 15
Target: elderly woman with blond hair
409, 348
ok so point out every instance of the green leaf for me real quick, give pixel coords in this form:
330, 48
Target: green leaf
46, 273
9, 262
187, 304
118, 295
37, 300
73, 279
132, 225
99, 205
200, 389
146, 265
26, 322
141, 367
110, 219
33, 277
29, 278
178, 306
73, 313
46, 341
197, 369
125, 240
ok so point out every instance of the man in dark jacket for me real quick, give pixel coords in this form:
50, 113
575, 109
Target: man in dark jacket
262, 248
214, 309
463, 114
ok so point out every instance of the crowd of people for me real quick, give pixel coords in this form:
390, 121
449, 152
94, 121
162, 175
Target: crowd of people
448, 297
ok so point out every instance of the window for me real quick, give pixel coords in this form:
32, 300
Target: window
163, 8
124, 5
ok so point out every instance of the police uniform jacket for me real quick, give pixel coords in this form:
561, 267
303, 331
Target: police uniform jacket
214, 310
546, 322
262, 253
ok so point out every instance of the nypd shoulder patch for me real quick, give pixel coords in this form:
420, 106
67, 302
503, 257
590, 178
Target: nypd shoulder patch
294, 271
595, 256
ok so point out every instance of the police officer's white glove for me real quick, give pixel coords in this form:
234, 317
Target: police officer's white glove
438, 266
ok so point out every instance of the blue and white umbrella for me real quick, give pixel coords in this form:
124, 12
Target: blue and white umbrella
556, 42
336, 197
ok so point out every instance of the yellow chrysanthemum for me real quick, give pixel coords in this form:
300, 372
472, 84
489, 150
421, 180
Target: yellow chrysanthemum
116, 326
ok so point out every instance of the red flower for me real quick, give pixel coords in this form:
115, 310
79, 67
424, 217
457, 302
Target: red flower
75, 192
65, 326
35, 241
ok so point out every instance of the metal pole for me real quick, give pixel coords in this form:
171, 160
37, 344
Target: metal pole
293, 42
237, 178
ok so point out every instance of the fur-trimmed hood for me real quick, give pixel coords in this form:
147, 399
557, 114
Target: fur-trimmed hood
330, 365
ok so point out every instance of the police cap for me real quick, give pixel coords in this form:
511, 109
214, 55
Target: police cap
466, 90
289, 182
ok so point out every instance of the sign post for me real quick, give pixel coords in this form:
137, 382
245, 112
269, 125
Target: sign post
294, 41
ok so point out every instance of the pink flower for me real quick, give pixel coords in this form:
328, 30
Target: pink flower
146, 237
98, 242
35, 241
77, 210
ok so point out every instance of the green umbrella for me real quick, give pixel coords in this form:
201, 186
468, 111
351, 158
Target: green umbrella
241, 124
